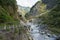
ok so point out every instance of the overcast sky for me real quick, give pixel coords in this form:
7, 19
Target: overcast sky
26, 3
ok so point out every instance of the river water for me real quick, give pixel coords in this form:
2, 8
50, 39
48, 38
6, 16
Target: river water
37, 34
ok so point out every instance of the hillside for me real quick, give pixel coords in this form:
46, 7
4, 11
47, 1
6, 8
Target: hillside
11, 26
42, 21
37, 9
41, 7
8, 11
46, 12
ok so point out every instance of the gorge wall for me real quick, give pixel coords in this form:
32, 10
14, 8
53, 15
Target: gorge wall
11, 27
8, 11
48, 11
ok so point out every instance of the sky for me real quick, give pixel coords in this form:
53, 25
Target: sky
26, 3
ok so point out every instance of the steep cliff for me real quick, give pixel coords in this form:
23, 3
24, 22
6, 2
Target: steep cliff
41, 7
8, 11
52, 18
50, 3
48, 13
37, 9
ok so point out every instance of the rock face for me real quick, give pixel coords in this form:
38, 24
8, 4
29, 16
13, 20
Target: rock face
8, 16
8, 10
50, 3
37, 9
51, 18
41, 7
14, 32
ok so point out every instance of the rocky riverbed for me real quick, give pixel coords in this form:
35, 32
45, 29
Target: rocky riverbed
40, 34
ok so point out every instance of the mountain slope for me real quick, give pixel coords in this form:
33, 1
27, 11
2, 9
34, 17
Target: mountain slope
41, 7
8, 11
37, 9
50, 14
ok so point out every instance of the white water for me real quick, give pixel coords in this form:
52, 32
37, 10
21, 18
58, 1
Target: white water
36, 34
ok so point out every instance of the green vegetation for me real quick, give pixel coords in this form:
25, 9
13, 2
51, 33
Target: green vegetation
8, 10
37, 9
1, 37
4, 17
52, 19
10, 26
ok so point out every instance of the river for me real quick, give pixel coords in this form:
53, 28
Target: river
37, 34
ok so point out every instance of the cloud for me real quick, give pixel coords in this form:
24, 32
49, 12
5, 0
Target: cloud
26, 3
